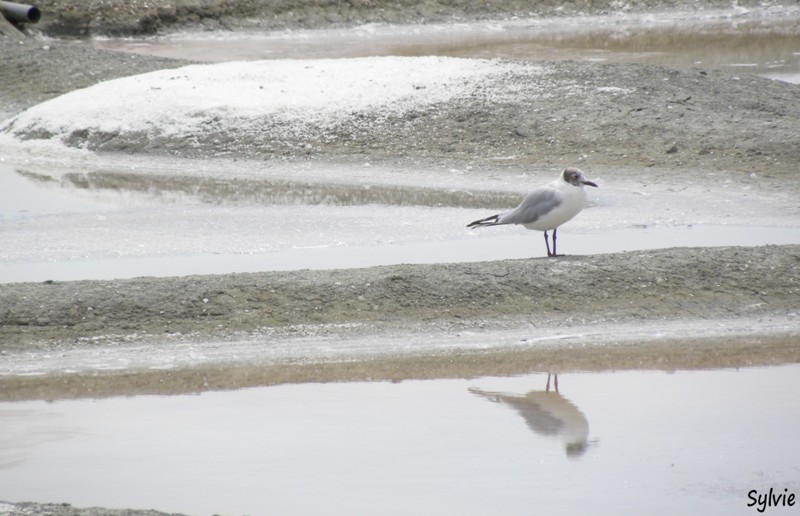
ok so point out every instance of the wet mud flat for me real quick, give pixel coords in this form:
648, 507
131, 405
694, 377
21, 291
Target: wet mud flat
84, 18
546, 114
542, 113
65, 509
395, 305
638, 286
550, 115
605, 115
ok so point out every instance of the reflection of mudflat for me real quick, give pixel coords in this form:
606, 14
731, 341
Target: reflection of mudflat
267, 192
548, 413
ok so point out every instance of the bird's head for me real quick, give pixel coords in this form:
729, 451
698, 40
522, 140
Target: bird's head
575, 177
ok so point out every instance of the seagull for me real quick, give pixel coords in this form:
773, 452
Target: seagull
547, 207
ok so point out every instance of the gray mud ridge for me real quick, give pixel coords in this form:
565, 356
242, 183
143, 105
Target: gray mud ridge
83, 18
672, 284
65, 509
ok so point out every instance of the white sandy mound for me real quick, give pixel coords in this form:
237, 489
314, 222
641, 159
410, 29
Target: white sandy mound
281, 96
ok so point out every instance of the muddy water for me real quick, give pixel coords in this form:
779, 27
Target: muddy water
735, 42
622, 442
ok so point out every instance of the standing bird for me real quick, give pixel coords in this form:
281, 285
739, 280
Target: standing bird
547, 207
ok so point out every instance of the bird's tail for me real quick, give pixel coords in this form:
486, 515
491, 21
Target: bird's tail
488, 221
494, 396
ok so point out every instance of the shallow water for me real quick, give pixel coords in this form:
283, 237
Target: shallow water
620, 442
73, 226
488, 248
735, 41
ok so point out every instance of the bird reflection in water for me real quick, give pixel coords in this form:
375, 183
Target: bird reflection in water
548, 413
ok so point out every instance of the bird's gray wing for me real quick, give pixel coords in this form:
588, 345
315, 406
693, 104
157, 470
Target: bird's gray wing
535, 204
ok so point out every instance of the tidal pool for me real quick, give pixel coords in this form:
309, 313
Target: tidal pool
626, 442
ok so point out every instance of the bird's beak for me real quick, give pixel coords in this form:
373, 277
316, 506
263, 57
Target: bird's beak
589, 183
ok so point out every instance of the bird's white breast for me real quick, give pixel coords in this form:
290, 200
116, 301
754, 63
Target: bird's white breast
573, 200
